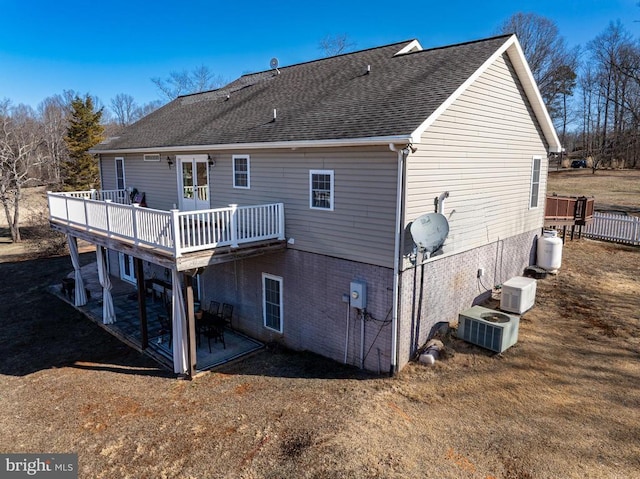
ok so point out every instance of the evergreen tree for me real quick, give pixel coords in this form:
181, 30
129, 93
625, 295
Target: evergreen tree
80, 171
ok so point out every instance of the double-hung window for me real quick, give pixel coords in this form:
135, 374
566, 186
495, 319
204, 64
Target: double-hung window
272, 302
535, 182
241, 171
321, 190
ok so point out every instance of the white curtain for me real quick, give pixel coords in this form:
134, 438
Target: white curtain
180, 347
81, 295
108, 313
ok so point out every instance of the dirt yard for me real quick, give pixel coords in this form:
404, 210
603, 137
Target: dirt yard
562, 403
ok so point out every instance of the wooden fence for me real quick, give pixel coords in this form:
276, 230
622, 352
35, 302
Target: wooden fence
613, 227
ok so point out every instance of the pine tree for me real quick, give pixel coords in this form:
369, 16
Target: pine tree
80, 171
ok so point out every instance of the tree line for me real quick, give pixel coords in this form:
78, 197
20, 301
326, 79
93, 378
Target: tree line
592, 94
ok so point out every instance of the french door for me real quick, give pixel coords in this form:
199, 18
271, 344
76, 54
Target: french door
193, 182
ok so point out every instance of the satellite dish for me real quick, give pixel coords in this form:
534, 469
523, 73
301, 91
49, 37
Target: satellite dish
273, 63
429, 231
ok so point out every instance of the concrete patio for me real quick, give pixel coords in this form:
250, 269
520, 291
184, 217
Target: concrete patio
127, 326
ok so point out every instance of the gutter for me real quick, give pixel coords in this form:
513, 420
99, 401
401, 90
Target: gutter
402, 155
367, 141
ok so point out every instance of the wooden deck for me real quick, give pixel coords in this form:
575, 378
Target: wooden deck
565, 211
173, 239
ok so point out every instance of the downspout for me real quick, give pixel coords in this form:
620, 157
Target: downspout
402, 154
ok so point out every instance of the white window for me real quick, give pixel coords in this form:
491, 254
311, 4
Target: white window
535, 182
120, 183
272, 302
321, 189
241, 171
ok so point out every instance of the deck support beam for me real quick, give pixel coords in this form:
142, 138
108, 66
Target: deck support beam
191, 328
142, 302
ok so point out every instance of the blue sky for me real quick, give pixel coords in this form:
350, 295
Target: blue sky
116, 46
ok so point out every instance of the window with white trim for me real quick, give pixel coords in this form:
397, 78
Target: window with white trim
272, 302
120, 183
535, 182
321, 190
241, 171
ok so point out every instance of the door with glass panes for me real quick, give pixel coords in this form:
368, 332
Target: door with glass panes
193, 182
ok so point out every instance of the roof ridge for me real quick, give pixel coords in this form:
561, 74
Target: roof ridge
470, 42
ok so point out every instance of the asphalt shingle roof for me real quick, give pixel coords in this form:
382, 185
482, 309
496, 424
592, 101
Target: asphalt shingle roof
331, 98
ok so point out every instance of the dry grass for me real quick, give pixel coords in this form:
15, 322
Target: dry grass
562, 403
608, 187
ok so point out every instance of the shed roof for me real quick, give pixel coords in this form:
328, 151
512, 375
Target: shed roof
374, 95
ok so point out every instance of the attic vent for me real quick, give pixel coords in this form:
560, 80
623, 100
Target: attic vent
152, 157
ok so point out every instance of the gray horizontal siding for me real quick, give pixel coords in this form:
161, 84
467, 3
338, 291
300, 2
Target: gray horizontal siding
154, 178
360, 227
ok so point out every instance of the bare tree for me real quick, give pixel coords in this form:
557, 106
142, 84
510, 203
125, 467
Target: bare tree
552, 63
332, 45
615, 60
185, 82
20, 155
124, 108
53, 112
147, 108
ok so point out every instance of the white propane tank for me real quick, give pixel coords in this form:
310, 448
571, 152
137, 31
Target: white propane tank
550, 251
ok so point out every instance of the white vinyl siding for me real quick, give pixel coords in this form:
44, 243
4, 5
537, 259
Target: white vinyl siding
321, 190
480, 150
535, 182
120, 180
241, 171
272, 302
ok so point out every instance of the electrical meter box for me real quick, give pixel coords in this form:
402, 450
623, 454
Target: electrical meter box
358, 293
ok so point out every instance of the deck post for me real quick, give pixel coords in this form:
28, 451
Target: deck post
106, 215
86, 216
134, 222
281, 221
175, 230
234, 225
191, 328
142, 302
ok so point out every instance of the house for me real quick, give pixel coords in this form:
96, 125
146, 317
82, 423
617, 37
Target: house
290, 193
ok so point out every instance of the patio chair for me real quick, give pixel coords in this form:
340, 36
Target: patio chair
214, 308
213, 328
227, 314
165, 326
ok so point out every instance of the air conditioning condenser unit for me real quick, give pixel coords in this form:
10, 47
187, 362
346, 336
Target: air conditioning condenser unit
488, 328
518, 294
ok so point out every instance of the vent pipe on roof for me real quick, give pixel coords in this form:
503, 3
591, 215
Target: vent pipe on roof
368, 69
275, 114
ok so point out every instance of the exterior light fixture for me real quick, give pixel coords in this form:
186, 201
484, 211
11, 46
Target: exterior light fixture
211, 161
169, 162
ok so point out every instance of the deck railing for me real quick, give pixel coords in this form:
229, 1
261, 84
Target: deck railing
568, 210
176, 232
